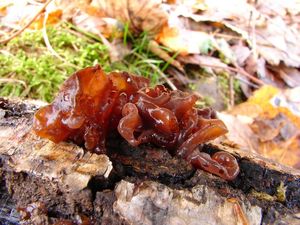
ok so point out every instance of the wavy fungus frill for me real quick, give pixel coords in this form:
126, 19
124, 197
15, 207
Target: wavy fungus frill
92, 104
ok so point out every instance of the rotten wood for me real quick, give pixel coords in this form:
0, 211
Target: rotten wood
143, 185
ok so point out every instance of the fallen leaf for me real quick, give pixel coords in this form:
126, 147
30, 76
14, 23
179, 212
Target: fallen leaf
268, 123
143, 15
276, 43
267, 75
268, 129
272, 37
291, 76
184, 41
98, 25
241, 53
203, 61
286, 153
53, 18
239, 131
273, 101
19, 13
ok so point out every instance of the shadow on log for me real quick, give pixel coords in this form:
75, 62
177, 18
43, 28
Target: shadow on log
61, 184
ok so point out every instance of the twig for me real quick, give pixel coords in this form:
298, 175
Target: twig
231, 91
227, 36
46, 39
113, 53
169, 82
82, 32
48, 44
253, 35
236, 70
26, 25
246, 82
11, 80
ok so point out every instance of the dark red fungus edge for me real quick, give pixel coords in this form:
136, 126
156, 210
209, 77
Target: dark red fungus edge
92, 104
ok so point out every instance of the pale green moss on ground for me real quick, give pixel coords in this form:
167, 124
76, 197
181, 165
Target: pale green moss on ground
29, 70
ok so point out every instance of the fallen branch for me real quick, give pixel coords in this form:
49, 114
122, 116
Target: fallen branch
236, 70
68, 182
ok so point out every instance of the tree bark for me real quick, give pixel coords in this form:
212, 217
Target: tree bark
50, 182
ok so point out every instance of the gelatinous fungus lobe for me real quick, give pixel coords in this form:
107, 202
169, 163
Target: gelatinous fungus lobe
92, 104
87, 104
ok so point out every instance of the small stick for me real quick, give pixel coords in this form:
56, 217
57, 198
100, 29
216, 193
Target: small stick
231, 91
11, 80
49, 46
227, 36
27, 25
253, 35
236, 70
46, 39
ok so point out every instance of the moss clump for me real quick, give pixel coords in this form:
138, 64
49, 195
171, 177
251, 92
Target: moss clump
28, 69
279, 195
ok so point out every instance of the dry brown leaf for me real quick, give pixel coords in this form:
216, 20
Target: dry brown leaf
98, 25
291, 76
242, 53
276, 43
286, 153
268, 123
53, 18
270, 36
269, 76
279, 139
277, 7
17, 14
157, 50
273, 101
3, 9
268, 129
142, 15
239, 131
203, 61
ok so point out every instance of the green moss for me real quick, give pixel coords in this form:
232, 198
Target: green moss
281, 190
279, 196
29, 70
263, 196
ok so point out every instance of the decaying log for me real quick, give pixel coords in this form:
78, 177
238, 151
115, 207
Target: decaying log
143, 185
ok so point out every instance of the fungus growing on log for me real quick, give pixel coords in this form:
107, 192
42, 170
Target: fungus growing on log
92, 104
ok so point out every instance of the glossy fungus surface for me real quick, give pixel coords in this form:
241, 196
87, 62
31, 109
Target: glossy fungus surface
91, 104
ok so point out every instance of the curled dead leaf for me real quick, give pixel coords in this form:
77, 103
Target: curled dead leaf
98, 25
142, 15
268, 123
